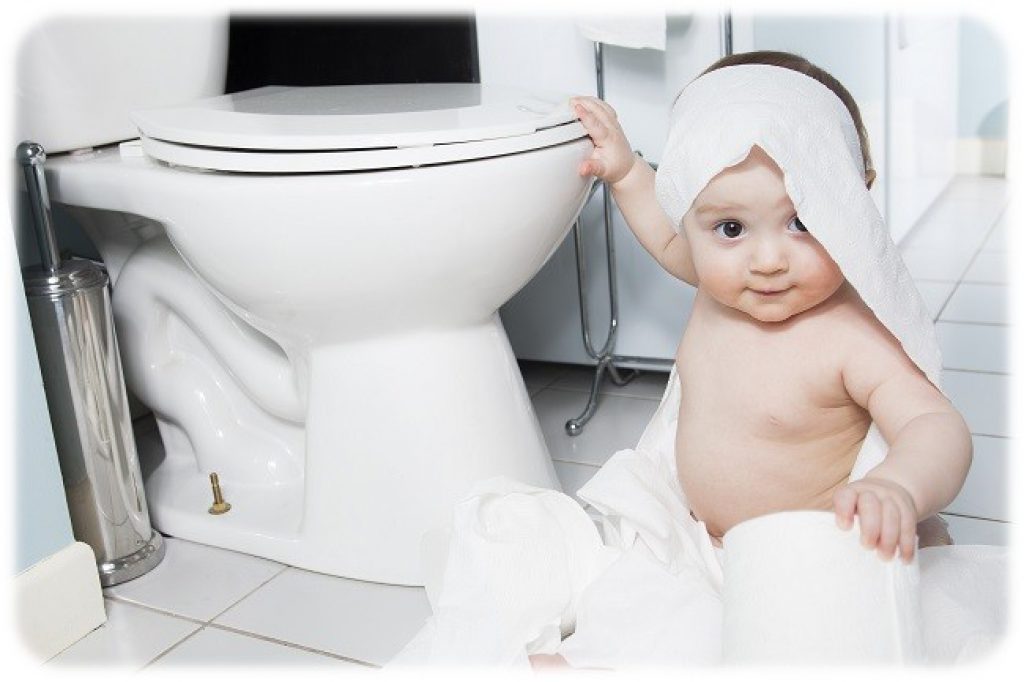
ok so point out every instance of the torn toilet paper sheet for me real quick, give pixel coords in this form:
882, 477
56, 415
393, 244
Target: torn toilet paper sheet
521, 569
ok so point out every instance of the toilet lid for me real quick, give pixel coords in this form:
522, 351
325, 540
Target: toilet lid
355, 127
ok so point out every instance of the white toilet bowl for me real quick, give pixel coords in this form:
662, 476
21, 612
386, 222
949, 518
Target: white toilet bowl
309, 307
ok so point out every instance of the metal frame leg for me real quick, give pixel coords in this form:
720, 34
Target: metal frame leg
605, 357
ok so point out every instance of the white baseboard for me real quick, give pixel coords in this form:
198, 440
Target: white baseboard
980, 156
58, 601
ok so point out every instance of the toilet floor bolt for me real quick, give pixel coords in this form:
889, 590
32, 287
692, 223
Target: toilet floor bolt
219, 505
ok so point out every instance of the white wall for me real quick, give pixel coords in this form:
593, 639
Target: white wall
983, 75
983, 105
923, 103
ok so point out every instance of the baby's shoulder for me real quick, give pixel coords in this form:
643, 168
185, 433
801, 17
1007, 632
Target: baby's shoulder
867, 352
855, 324
844, 319
848, 334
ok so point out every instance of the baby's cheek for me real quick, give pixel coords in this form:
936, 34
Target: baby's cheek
822, 273
719, 285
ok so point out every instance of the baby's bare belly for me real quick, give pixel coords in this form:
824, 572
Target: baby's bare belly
731, 475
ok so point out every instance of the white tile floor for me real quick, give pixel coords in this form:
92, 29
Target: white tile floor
208, 606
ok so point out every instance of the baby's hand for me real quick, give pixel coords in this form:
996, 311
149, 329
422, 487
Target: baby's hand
888, 516
612, 158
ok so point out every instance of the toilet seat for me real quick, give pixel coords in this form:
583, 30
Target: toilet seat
278, 129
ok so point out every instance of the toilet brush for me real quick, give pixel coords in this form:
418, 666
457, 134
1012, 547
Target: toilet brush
69, 305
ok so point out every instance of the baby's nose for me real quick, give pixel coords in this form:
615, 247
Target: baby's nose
769, 258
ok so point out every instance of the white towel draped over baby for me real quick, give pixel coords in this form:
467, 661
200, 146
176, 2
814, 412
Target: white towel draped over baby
519, 568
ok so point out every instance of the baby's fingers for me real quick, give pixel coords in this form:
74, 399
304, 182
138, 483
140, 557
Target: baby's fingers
844, 502
870, 514
595, 127
908, 538
595, 106
889, 534
604, 107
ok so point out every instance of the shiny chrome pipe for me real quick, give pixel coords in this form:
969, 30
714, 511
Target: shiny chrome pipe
69, 305
605, 357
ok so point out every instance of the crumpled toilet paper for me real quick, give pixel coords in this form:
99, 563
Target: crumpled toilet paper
511, 577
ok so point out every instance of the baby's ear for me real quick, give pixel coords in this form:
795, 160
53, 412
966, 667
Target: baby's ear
869, 177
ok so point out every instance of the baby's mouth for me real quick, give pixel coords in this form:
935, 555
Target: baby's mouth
771, 292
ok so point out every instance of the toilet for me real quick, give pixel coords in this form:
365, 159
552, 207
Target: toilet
306, 283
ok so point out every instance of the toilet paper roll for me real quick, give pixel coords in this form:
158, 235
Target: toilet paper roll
797, 589
635, 31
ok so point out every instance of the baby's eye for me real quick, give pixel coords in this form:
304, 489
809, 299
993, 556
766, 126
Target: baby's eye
730, 229
796, 226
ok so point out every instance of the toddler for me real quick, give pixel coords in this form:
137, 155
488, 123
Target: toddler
782, 367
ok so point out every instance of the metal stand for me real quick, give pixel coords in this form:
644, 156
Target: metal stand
605, 357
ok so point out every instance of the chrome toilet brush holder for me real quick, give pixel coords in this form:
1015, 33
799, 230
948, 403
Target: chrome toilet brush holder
69, 305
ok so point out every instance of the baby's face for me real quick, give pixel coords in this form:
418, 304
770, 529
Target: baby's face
750, 250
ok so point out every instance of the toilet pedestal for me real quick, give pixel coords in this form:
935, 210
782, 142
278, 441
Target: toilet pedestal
398, 430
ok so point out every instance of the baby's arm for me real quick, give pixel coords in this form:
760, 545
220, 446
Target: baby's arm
632, 183
930, 446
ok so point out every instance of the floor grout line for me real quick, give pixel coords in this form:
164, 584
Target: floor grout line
173, 646
154, 609
973, 324
976, 518
602, 394
973, 371
569, 461
1005, 325
991, 372
291, 645
248, 594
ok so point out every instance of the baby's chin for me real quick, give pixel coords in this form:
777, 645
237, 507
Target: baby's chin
771, 315
775, 313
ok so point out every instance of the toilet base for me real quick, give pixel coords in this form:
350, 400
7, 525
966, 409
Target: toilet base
398, 430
